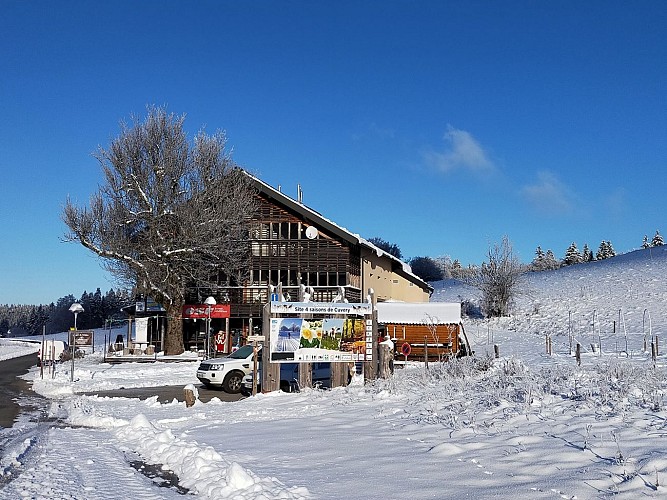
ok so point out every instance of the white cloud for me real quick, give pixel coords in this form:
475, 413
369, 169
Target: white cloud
463, 153
549, 194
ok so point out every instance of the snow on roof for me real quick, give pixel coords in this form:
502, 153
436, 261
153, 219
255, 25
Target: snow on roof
419, 313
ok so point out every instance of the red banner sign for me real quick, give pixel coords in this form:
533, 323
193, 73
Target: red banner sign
200, 311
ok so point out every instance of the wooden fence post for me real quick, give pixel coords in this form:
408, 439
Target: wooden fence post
339, 373
578, 354
189, 394
53, 360
385, 361
496, 351
426, 352
270, 371
306, 375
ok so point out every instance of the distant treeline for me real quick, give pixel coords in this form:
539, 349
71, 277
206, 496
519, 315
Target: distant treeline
438, 268
546, 261
22, 320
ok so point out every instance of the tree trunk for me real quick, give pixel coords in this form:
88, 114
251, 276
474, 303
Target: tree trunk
173, 340
305, 375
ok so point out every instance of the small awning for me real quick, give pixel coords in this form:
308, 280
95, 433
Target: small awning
419, 313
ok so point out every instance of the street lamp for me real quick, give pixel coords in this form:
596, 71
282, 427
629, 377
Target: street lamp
210, 302
75, 308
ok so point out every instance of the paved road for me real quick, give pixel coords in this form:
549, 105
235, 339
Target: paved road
12, 388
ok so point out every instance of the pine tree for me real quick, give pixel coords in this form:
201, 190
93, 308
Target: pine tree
610, 249
112, 303
538, 261
550, 261
96, 309
657, 240
645, 243
572, 255
605, 251
587, 255
601, 253
544, 261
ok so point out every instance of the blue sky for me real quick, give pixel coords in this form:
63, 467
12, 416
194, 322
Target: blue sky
438, 126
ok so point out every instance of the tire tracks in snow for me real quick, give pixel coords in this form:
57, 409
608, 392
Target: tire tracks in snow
76, 463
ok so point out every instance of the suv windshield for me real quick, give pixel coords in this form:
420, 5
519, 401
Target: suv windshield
241, 352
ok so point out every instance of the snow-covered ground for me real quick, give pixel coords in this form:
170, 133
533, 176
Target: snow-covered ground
525, 426
14, 348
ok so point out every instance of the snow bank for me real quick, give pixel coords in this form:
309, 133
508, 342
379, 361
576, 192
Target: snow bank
201, 468
10, 348
204, 471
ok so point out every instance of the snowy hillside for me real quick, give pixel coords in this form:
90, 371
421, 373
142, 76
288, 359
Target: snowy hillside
626, 294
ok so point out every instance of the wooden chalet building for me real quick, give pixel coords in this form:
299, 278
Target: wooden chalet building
294, 246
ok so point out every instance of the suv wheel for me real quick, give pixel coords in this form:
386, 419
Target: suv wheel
232, 382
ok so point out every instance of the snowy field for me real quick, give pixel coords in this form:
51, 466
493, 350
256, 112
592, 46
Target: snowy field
528, 425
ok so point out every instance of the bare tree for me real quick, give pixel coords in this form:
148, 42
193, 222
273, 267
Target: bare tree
499, 279
432, 323
171, 213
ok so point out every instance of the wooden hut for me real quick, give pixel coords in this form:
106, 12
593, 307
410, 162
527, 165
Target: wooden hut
423, 328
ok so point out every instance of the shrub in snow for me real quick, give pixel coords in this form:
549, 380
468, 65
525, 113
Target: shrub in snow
486, 393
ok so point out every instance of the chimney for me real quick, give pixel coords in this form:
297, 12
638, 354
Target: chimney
299, 193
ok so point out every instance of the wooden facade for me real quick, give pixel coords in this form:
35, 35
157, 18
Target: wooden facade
443, 341
295, 247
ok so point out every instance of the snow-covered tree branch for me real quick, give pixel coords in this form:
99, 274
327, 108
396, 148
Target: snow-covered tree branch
171, 213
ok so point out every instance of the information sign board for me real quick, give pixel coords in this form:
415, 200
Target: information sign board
83, 337
318, 340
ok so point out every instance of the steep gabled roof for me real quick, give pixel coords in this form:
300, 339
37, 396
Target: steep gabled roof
318, 220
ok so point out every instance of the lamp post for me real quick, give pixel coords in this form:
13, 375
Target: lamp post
75, 308
210, 302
